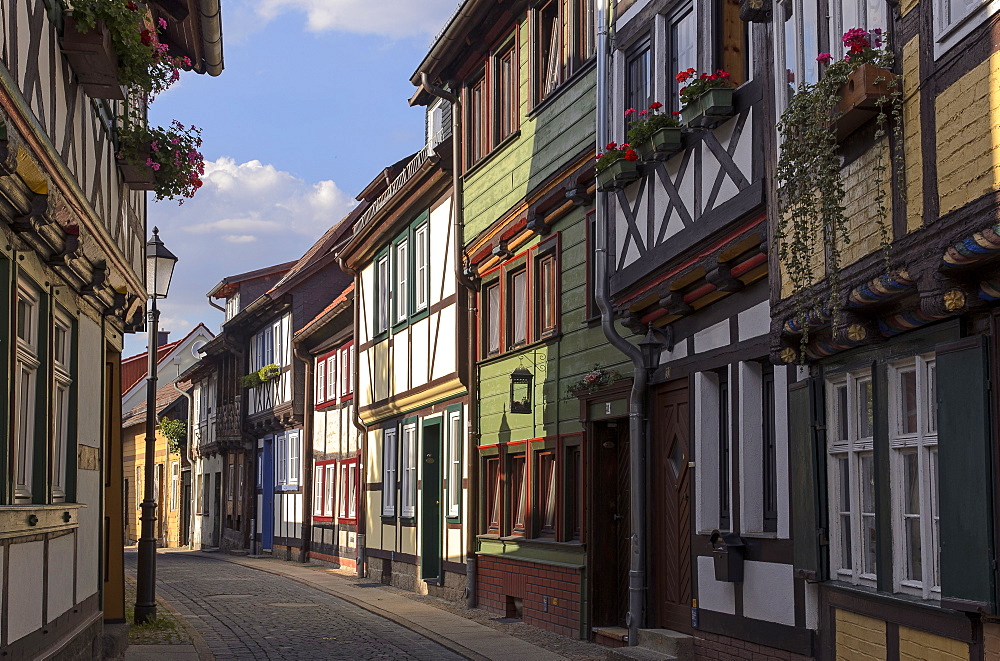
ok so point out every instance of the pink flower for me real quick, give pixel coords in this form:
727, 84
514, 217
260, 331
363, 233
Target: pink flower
642, 113
162, 23
153, 164
824, 58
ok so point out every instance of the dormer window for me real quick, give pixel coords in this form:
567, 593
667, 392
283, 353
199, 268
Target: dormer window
232, 306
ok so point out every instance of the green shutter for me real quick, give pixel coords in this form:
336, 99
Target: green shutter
965, 479
807, 475
6, 383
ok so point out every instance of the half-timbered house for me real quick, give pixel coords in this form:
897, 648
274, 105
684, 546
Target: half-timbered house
893, 419
687, 268
72, 274
410, 340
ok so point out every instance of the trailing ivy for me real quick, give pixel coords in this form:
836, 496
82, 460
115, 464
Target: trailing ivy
813, 226
175, 431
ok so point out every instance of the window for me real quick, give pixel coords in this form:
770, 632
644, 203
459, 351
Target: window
518, 495
955, 19
318, 483
206, 501
573, 471
848, 14
331, 378
232, 306
517, 310
175, 474
389, 472
347, 370
383, 297
547, 292
455, 439
287, 454
320, 381
408, 479
492, 297
326, 379
506, 92
402, 269
493, 495
26, 386
850, 443
769, 438
230, 481
797, 42
913, 440
477, 135
683, 51
421, 251
548, 47
348, 511
546, 493
563, 41
62, 381
638, 72
329, 491
724, 455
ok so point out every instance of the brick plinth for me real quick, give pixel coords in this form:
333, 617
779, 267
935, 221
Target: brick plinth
723, 648
549, 596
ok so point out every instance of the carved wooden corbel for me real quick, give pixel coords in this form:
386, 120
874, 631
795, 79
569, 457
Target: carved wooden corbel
722, 277
673, 302
35, 219
536, 223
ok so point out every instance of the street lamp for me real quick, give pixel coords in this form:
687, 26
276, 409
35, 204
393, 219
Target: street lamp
159, 269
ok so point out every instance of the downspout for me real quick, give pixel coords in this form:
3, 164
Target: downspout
362, 537
307, 432
215, 305
190, 457
636, 618
466, 376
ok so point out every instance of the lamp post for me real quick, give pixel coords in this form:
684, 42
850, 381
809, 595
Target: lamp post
159, 268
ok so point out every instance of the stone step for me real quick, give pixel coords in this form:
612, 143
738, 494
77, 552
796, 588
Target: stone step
667, 641
637, 654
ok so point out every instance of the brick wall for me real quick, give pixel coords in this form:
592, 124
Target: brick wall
967, 117
917, 645
991, 641
859, 638
550, 596
713, 646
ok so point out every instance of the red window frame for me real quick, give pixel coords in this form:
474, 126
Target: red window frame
321, 477
547, 493
348, 490
494, 485
519, 494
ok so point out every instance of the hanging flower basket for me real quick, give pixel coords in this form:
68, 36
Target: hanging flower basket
136, 173
592, 381
859, 97
169, 157
92, 55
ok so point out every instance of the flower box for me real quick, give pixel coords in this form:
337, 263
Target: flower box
618, 175
859, 98
663, 144
711, 109
138, 176
93, 59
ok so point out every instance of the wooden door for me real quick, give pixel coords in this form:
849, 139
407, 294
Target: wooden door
610, 527
669, 488
431, 532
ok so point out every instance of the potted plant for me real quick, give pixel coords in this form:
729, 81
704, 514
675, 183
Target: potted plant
112, 44
169, 156
656, 133
707, 100
617, 166
814, 218
592, 381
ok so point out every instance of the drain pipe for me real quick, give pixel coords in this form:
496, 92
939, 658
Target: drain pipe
310, 464
467, 375
190, 444
636, 618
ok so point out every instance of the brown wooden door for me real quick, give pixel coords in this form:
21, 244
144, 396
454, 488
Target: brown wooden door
669, 487
610, 527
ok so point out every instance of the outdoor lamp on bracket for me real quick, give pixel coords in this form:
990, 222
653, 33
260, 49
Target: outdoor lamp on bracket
657, 341
520, 390
159, 266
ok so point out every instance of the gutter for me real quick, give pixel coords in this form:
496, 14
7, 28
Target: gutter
211, 35
466, 303
307, 432
215, 305
452, 33
637, 415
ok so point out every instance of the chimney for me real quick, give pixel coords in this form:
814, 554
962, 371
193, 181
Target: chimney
161, 338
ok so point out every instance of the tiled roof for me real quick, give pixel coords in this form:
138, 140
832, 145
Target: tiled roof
165, 396
134, 367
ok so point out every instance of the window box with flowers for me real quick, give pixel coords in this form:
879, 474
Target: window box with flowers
656, 134
617, 167
113, 45
263, 375
592, 381
164, 160
707, 100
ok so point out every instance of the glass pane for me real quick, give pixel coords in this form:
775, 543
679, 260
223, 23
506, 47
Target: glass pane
914, 566
867, 476
911, 484
845, 484
23, 319
791, 64
931, 399
637, 94
932, 458
866, 416
876, 15
810, 40
842, 418
493, 317
846, 558
908, 402
849, 20
868, 544
519, 306
868, 547
685, 39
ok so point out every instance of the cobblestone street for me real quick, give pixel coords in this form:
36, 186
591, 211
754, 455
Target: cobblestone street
243, 613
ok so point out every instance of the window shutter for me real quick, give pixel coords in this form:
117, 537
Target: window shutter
965, 478
806, 459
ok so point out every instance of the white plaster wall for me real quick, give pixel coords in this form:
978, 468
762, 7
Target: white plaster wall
89, 484
26, 569
442, 270
714, 595
755, 321
423, 343
60, 568
751, 448
769, 592
443, 337
712, 337
706, 437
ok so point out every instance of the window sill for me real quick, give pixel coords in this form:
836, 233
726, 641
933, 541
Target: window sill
566, 85
895, 598
16, 520
500, 146
347, 522
554, 337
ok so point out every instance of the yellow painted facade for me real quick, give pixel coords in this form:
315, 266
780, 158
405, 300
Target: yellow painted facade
859, 638
913, 154
168, 510
915, 645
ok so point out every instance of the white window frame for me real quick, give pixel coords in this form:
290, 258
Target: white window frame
420, 269
408, 471
26, 384
232, 306
347, 370
948, 34
348, 508
321, 382
62, 343
455, 438
390, 472
330, 490
922, 442
175, 469
805, 61
382, 284
854, 448
401, 268
838, 27
318, 484
331, 378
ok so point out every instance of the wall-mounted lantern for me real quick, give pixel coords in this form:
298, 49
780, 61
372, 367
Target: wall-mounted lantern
520, 390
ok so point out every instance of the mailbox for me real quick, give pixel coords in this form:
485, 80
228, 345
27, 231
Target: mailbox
728, 552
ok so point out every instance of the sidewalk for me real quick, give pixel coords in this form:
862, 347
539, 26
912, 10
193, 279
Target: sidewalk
460, 634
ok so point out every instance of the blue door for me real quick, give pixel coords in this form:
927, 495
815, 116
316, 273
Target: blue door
267, 497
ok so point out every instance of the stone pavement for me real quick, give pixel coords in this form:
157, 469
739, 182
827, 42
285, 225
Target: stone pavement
239, 612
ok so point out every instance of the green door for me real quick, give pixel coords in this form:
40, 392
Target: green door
430, 504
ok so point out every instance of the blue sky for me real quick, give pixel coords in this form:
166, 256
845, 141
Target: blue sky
312, 104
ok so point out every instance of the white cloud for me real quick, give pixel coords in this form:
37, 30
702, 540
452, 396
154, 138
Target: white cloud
390, 18
239, 238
